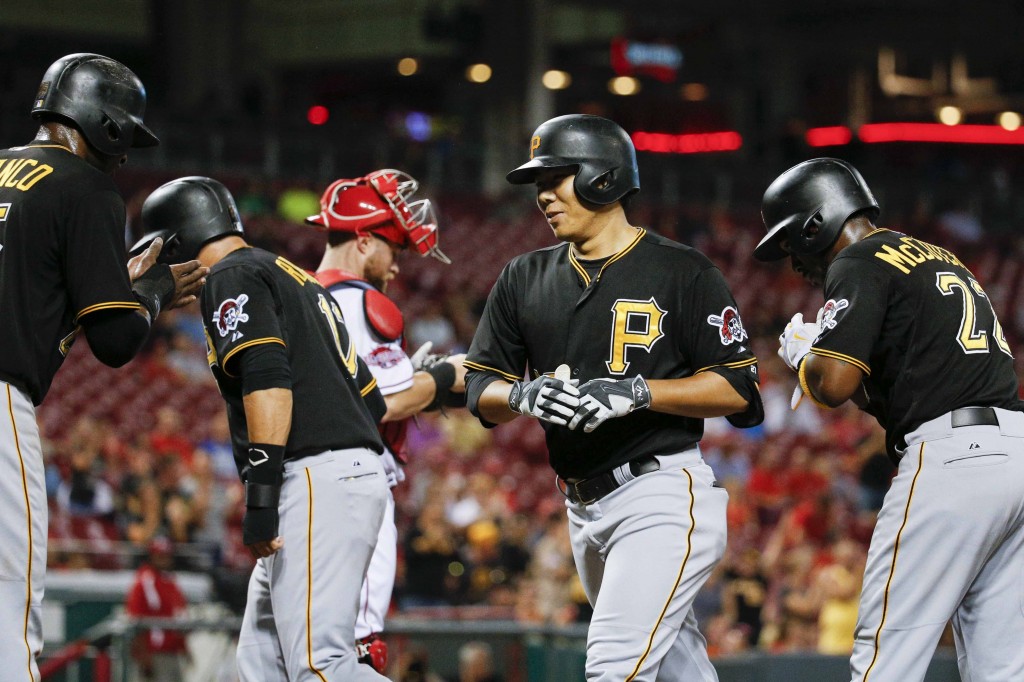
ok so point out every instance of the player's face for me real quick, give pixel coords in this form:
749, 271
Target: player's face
811, 268
557, 200
382, 263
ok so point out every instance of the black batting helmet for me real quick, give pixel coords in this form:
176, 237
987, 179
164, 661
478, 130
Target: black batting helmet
597, 150
187, 213
808, 206
102, 97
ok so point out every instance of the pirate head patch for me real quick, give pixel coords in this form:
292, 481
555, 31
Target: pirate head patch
730, 327
830, 310
229, 314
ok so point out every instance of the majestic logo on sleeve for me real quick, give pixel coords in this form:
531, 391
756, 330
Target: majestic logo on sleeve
229, 314
730, 327
829, 312
635, 324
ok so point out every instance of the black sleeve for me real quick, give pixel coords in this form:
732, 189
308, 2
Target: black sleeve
263, 367
240, 312
718, 343
95, 257
856, 298
497, 350
115, 336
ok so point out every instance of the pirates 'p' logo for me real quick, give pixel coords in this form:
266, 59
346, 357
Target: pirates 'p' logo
534, 145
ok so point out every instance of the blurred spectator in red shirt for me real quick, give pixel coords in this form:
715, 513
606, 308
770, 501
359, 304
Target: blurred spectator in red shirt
166, 438
158, 655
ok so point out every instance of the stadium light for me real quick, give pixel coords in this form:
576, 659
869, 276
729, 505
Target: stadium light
408, 66
694, 92
556, 80
950, 115
478, 73
624, 86
318, 114
1009, 120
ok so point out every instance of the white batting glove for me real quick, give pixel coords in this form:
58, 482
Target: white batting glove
796, 341
420, 356
546, 398
603, 399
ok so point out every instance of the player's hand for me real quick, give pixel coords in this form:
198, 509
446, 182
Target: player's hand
138, 265
603, 399
189, 279
259, 531
546, 398
418, 359
796, 341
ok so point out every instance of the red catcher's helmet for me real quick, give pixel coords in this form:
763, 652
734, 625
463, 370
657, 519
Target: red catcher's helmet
380, 204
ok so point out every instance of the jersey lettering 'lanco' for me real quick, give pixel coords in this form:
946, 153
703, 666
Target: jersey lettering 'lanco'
252, 298
62, 257
914, 319
658, 309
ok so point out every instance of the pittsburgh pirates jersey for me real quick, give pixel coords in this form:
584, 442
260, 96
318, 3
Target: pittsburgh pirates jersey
657, 308
62, 257
385, 357
915, 320
253, 297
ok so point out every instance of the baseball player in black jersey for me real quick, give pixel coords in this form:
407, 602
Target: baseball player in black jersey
653, 344
62, 272
303, 410
908, 333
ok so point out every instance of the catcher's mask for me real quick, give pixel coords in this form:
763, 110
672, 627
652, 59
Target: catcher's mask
381, 204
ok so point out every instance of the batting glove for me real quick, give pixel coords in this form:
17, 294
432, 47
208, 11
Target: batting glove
546, 398
604, 399
796, 341
423, 360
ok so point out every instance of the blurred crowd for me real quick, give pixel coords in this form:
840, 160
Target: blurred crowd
143, 454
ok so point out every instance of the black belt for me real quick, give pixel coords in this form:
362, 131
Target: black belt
590, 490
974, 416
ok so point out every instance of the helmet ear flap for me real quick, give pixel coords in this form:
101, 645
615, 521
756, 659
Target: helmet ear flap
813, 225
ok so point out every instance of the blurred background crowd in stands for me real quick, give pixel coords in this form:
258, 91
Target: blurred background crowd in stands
142, 455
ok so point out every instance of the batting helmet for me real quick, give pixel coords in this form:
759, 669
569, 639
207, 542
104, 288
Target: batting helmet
380, 203
808, 206
187, 213
597, 150
102, 97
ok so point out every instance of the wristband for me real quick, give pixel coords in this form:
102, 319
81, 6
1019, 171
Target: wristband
154, 289
264, 464
261, 495
443, 374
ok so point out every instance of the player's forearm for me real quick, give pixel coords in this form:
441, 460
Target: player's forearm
493, 403
412, 400
268, 414
831, 381
115, 336
703, 395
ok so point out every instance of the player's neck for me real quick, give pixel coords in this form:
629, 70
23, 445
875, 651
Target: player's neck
609, 235
343, 257
216, 251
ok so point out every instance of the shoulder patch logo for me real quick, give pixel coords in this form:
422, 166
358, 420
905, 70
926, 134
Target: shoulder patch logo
730, 327
829, 312
229, 314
